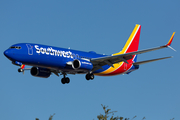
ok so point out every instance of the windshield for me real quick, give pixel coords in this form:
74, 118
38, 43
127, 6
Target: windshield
16, 47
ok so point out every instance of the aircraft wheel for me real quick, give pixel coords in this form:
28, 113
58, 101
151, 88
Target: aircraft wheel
67, 80
20, 70
89, 76
63, 80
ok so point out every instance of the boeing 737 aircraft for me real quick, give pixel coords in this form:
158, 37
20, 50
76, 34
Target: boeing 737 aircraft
46, 60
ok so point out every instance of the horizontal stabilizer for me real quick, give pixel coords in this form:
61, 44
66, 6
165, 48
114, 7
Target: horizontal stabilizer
147, 61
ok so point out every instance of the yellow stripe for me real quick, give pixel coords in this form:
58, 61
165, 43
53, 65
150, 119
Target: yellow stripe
171, 38
117, 65
111, 69
130, 38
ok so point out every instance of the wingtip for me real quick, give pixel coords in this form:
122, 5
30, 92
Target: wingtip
170, 40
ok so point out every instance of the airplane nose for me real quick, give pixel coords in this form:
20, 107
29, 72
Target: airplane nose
6, 53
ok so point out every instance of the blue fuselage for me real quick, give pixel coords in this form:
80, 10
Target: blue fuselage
46, 56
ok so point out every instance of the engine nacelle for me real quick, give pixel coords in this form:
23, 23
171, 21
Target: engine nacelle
40, 72
82, 65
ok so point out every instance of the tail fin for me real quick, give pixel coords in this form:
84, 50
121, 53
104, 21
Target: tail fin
132, 43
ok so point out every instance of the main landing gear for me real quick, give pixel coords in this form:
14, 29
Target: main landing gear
65, 79
89, 76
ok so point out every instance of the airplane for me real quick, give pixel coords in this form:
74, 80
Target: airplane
46, 59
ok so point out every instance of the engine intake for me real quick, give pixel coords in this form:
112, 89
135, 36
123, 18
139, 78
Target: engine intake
40, 72
82, 64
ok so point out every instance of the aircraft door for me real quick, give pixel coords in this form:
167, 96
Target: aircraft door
30, 49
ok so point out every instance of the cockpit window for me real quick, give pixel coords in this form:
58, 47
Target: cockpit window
12, 47
16, 47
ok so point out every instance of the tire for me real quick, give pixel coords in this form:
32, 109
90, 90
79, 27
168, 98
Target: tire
20, 70
91, 76
87, 76
63, 80
67, 80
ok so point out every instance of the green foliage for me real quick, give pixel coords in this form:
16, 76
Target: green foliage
106, 115
109, 112
50, 118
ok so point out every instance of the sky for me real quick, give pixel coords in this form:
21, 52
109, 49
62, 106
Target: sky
91, 25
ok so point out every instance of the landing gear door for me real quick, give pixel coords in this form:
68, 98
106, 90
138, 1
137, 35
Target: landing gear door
30, 49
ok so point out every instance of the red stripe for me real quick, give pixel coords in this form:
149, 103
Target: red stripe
22, 66
135, 43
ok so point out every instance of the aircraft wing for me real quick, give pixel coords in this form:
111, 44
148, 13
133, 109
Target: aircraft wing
110, 60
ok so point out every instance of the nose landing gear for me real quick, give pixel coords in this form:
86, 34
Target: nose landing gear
20, 70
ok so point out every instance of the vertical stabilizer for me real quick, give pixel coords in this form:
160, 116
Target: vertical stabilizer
132, 43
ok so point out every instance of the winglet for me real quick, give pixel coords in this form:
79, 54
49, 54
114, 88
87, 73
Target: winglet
170, 40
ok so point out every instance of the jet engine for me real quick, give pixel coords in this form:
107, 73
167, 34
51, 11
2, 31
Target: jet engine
40, 72
82, 65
